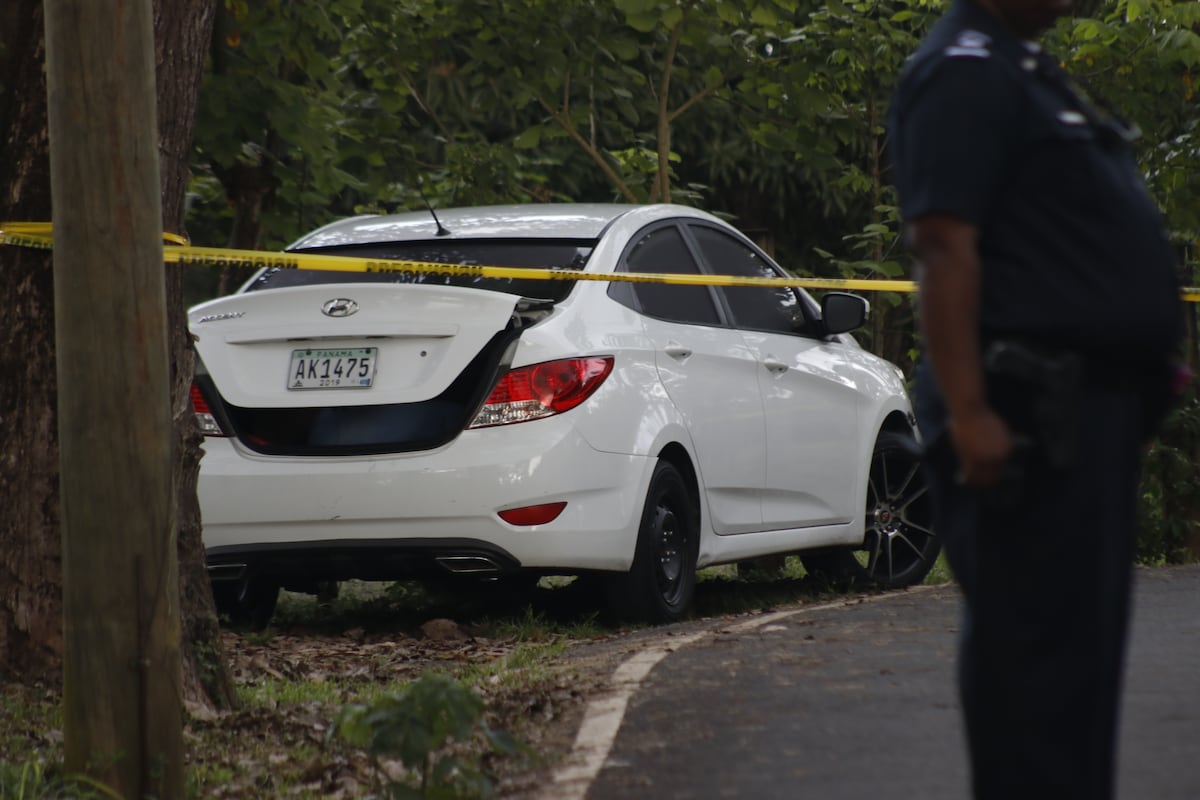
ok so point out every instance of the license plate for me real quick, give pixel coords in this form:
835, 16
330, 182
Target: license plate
350, 368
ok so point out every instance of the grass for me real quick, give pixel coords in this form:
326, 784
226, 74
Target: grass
526, 666
531, 625
30, 726
32, 780
940, 572
31, 749
274, 692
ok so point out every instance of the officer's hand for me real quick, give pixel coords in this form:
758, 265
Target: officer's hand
984, 445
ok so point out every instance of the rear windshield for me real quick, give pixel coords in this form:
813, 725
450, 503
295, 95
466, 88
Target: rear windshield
563, 254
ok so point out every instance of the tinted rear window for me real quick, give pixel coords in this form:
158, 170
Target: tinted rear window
528, 253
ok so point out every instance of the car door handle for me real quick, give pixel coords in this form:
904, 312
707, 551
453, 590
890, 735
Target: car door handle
677, 351
774, 366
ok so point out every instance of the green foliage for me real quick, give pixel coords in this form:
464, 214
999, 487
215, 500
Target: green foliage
773, 112
1140, 57
940, 573
419, 726
1169, 508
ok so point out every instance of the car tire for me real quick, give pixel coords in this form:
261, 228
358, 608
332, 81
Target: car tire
246, 604
899, 545
659, 586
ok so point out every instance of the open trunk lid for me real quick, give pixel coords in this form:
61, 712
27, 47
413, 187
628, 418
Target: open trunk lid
350, 368
423, 338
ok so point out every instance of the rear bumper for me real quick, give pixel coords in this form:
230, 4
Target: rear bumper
386, 517
303, 565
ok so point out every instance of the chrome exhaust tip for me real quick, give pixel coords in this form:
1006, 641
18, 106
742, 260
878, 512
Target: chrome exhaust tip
226, 572
463, 565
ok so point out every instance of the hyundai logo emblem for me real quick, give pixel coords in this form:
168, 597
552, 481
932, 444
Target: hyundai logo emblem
339, 307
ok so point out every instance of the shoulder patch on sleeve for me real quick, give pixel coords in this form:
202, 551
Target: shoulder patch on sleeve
970, 44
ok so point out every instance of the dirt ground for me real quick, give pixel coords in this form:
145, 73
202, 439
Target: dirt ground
296, 678
540, 704
271, 744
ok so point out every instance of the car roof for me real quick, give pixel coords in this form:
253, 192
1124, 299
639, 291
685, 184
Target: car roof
542, 221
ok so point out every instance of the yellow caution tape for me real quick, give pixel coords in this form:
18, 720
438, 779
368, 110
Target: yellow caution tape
26, 234
40, 235
218, 257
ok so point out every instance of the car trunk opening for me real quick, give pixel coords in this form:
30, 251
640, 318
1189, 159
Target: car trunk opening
322, 363
363, 429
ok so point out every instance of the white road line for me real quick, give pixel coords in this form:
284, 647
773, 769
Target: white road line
604, 715
602, 720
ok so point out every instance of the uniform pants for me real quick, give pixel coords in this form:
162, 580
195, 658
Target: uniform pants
1047, 586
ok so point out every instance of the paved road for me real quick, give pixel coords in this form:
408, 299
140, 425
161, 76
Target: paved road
858, 703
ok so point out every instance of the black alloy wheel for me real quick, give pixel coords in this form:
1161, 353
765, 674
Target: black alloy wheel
899, 546
659, 586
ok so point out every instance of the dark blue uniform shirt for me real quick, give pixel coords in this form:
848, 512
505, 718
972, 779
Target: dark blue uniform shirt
988, 128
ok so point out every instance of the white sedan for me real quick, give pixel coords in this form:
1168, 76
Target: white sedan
388, 425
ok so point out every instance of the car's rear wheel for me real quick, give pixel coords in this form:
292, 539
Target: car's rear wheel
899, 547
248, 604
659, 586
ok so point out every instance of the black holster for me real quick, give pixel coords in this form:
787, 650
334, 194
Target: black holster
1037, 391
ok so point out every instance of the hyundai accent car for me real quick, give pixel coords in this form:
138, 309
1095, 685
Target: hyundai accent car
402, 423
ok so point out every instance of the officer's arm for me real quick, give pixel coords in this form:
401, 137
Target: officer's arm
946, 249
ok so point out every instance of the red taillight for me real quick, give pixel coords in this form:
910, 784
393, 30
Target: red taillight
199, 404
542, 390
532, 515
204, 416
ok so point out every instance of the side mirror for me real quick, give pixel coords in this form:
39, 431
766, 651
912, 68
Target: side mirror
841, 312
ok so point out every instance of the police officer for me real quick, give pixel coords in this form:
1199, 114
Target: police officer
1049, 312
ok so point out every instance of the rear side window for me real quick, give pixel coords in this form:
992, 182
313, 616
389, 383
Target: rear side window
558, 254
663, 250
770, 308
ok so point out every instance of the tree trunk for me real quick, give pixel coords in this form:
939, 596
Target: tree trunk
30, 552
30, 549
251, 187
182, 32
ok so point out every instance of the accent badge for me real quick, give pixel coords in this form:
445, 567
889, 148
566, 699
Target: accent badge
339, 307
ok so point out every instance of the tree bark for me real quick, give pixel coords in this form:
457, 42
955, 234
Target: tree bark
182, 32
30, 553
30, 548
251, 187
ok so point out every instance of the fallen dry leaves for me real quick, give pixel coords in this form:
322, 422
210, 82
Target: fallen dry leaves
296, 679
276, 746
